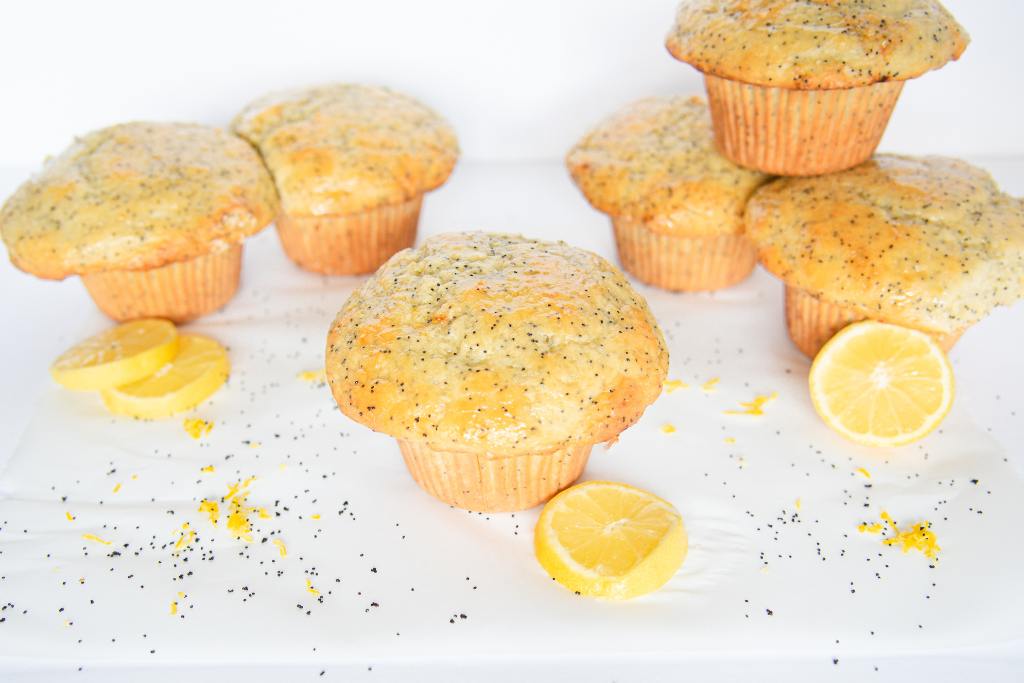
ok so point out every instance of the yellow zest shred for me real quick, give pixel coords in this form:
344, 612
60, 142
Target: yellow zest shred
754, 407
208, 469
915, 537
174, 607
798, 504
117, 487
710, 384
197, 428
134, 477
93, 537
861, 470
210, 508
280, 546
187, 536
313, 375
671, 385
316, 516
668, 428
310, 589
255, 444
262, 512
730, 439
70, 516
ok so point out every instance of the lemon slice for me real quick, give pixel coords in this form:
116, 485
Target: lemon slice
880, 384
120, 355
199, 369
605, 539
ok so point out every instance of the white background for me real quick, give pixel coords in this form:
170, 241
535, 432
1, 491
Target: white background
519, 80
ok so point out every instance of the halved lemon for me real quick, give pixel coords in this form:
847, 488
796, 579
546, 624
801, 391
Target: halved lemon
880, 384
120, 355
611, 540
199, 369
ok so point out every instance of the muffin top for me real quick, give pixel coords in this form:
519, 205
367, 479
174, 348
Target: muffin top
929, 242
137, 195
341, 149
655, 160
815, 44
488, 342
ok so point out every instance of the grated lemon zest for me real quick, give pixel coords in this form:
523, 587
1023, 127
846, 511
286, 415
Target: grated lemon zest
755, 407
671, 385
210, 508
710, 384
208, 469
313, 375
196, 427
70, 516
174, 607
187, 536
668, 428
93, 537
280, 546
310, 589
915, 537
798, 504
316, 516
117, 487
861, 470
730, 439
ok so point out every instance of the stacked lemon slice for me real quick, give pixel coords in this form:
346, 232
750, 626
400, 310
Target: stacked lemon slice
144, 368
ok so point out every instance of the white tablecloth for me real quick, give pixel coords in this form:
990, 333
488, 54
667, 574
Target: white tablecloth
778, 583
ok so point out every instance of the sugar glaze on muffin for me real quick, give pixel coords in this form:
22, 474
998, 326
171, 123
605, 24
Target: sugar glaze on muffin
348, 148
496, 343
815, 44
655, 160
135, 196
928, 242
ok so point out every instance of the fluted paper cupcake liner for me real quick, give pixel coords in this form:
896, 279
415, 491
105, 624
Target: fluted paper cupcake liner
813, 321
349, 244
682, 263
799, 132
482, 483
179, 291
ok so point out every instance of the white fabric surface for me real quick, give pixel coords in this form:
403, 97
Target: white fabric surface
832, 592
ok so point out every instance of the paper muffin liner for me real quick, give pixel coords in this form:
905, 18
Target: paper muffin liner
179, 291
679, 262
799, 132
483, 483
813, 321
349, 244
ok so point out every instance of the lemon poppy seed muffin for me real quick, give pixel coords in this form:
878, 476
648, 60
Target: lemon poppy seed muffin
924, 242
803, 87
675, 203
351, 163
497, 362
151, 215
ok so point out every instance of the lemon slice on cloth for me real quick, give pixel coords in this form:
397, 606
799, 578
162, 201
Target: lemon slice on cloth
880, 384
199, 369
120, 355
612, 540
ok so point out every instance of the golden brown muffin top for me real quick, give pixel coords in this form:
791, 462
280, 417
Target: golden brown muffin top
482, 342
928, 242
655, 160
137, 195
342, 149
815, 44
